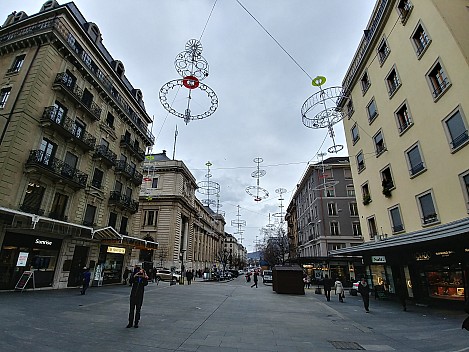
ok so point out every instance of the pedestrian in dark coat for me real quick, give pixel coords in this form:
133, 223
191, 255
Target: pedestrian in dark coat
327, 287
86, 280
256, 274
189, 276
139, 280
364, 290
126, 275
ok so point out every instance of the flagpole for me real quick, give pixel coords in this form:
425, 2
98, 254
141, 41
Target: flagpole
175, 137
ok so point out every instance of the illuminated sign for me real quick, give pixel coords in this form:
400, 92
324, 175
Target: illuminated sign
444, 253
422, 256
116, 250
378, 259
44, 242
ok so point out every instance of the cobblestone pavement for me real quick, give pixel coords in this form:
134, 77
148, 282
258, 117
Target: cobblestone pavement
231, 316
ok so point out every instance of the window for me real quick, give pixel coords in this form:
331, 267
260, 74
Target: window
154, 182
89, 215
392, 82
59, 113
396, 221
87, 98
33, 199
329, 192
112, 220
360, 162
404, 7
70, 164
366, 194
386, 180
110, 120
105, 143
4, 94
365, 82
465, 186
427, 208
403, 118
372, 228
118, 187
150, 217
58, 207
78, 128
332, 209
414, 160
334, 227
456, 129
350, 109
348, 174
438, 80
420, 40
16, 66
383, 51
350, 191
353, 209
379, 143
47, 151
356, 229
372, 111
123, 227
355, 134
97, 178
69, 80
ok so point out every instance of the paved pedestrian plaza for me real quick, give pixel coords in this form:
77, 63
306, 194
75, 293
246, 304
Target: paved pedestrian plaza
230, 316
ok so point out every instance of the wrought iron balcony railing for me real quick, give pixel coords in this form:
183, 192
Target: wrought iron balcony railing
62, 81
123, 201
57, 168
67, 127
129, 171
31, 209
133, 148
107, 156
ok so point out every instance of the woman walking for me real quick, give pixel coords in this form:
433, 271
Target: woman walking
339, 289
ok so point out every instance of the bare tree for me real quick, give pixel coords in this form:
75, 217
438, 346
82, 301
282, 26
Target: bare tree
276, 249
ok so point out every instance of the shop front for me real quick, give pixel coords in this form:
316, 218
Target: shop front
22, 252
110, 265
431, 265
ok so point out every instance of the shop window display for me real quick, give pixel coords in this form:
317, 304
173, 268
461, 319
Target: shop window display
446, 284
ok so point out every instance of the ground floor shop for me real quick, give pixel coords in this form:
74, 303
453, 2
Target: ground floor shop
429, 267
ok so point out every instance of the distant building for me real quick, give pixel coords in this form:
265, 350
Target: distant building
407, 133
72, 136
189, 234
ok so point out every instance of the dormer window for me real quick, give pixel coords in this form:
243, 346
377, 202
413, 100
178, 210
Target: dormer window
119, 68
49, 5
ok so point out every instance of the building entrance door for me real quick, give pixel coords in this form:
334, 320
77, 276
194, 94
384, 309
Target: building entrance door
80, 255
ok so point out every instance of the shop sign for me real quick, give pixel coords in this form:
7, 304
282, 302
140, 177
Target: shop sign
422, 256
444, 253
378, 259
116, 250
43, 242
22, 259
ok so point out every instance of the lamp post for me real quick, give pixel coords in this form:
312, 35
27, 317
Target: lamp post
181, 279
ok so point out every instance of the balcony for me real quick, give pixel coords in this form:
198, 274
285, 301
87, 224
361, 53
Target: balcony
58, 216
55, 169
62, 82
66, 127
133, 148
103, 154
129, 172
123, 202
31, 209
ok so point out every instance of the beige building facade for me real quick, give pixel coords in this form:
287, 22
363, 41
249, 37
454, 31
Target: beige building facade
406, 127
73, 137
189, 234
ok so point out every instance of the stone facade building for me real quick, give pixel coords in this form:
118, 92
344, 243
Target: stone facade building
72, 142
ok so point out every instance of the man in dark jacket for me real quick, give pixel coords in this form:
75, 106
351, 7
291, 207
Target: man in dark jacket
327, 287
256, 274
139, 280
364, 290
86, 280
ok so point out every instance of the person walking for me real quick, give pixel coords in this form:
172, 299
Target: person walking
339, 289
138, 280
189, 276
327, 287
256, 274
86, 280
364, 290
126, 276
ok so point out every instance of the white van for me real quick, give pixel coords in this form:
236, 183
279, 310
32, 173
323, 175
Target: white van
267, 276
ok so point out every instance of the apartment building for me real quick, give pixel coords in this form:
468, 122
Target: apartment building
73, 137
407, 134
326, 217
190, 234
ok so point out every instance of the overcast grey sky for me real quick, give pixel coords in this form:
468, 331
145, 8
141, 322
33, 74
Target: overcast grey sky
259, 87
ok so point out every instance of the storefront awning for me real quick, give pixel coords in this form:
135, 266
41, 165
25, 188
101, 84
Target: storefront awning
110, 236
452, 229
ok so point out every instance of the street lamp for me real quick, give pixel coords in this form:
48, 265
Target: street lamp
181, 279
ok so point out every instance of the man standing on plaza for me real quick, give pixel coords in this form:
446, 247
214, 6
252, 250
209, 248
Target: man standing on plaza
138, 280
327, 287
364, 290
